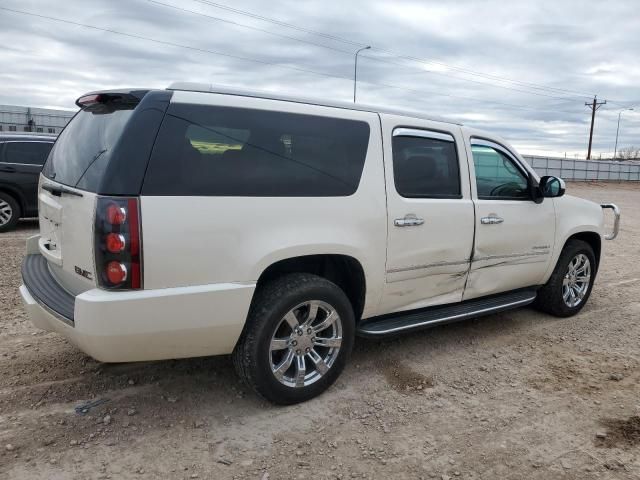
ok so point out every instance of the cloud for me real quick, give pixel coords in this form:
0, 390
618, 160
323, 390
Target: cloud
582, 46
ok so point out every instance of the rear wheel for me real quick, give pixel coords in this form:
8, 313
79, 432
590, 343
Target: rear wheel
570, 284
297, 339
9, 212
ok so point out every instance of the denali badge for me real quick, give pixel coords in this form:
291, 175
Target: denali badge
84, 273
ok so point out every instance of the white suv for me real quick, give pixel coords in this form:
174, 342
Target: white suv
198, 221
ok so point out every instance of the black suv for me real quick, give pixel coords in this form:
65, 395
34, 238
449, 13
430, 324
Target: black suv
21, 159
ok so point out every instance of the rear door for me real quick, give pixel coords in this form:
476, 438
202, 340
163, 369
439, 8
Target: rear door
430, 213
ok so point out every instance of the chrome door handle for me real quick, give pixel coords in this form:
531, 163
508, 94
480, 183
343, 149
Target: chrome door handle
491, 220
409, 220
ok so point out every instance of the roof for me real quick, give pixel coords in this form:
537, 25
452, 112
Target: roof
5, 137
210, 88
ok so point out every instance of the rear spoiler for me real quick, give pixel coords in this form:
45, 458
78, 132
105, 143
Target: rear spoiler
115, 98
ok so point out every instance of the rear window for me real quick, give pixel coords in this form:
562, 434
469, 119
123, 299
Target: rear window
82, 151
26, 153
222, 151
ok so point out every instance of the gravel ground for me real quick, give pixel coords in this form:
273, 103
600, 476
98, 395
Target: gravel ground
509, 396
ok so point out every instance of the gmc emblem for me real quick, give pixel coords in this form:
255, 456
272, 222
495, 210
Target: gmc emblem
84, 273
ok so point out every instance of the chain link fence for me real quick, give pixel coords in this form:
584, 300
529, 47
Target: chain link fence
584, 170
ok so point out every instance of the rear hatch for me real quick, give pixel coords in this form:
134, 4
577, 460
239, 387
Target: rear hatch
100, 153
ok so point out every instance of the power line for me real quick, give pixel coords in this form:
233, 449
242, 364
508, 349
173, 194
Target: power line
264, 62
243, 25
282, 24
172, 44
389, 52
350, 53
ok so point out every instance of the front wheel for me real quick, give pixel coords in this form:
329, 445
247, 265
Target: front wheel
570, 284
297, 339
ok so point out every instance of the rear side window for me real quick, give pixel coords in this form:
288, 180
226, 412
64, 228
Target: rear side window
26, 153
223, 151
425, 166
82, 151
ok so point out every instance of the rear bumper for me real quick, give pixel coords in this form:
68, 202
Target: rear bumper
148, 324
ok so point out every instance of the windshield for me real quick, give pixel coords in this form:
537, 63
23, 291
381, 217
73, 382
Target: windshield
81, 153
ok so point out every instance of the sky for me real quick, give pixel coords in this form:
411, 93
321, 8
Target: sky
521, 69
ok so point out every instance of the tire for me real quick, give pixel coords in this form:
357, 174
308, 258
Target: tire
550, 297
9, 212
270, 318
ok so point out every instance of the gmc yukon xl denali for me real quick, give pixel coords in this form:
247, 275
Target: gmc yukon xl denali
200, 221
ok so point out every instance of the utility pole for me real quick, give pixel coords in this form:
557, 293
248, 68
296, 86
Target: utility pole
593, 106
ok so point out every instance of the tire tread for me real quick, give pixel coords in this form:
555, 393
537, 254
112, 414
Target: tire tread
549, 298
262, 307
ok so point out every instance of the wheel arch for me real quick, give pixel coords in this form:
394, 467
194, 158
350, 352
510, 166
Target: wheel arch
343, 270
590, 237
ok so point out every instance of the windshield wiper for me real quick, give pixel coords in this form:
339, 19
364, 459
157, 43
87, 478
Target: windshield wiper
93, 160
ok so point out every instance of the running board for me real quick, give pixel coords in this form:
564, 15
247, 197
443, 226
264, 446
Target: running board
400, 322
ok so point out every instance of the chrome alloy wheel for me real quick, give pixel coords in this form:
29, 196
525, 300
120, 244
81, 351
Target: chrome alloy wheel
6, 212
305, 344
576, 281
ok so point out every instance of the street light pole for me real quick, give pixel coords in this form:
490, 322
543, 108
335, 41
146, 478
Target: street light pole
355, 70
615, 149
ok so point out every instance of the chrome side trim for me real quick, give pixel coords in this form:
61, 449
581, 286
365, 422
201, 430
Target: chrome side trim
415, 132
28, 141
518, 303
429, 265
466, 262
511, 255
616, 221
23, 164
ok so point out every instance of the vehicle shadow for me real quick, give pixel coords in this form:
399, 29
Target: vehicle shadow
202, 384
205, 395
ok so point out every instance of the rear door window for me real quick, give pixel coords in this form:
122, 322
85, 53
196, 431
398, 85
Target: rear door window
82, 151
26, 153
224, 151
425, 164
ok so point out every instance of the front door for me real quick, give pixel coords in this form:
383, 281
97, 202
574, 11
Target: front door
430, 214
514, 234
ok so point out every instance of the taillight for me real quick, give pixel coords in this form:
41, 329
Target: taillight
116, 215
117, 243
116, 272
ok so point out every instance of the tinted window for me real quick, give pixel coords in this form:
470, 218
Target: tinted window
83, 149
29, 153
497, 176
205, 150
426, 167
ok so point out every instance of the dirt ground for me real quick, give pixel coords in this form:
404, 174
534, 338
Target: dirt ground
510, 396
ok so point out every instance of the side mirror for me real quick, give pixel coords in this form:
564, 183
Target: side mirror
551, 186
